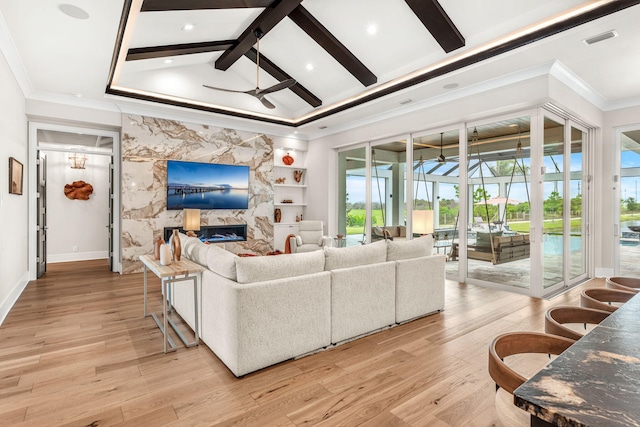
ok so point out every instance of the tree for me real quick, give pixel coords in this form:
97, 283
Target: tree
632, 205
553, 203
505, 168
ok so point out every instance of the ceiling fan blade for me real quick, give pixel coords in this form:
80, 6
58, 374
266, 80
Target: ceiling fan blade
265, 102
285, 84
226, 90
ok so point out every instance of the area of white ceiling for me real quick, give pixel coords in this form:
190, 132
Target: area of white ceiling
69, 59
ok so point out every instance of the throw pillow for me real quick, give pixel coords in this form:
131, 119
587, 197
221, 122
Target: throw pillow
221, 261
355, 255
422, 246
260, 269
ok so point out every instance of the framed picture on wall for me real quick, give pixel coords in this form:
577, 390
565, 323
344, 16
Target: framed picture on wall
15, 176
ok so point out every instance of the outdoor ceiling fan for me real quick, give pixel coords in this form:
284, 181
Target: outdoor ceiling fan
441, 158
257, 92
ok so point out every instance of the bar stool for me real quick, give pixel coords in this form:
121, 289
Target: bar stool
507, 379
557, 317
602, 298
630, 284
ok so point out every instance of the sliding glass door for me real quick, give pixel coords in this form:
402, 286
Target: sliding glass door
628, 240
564, 219
352, 194
498, 205
508, 208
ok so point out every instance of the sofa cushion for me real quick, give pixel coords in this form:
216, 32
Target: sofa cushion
408, 249
221, 261
355, 255
259, 269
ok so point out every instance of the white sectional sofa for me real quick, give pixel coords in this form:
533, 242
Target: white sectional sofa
258, 311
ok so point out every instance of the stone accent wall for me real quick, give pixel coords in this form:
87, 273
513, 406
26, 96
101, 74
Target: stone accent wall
148, 143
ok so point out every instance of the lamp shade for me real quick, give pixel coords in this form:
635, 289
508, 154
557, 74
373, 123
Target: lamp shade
191, 219
422, 222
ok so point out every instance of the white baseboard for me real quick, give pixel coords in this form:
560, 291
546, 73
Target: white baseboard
604, 272
13, 296
77, 256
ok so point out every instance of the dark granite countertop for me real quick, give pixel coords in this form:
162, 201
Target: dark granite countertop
596, 382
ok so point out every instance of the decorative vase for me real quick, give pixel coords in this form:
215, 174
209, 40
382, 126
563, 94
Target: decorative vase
176, 247
165, 254
287, 159
297, 175
278, 215
156, 247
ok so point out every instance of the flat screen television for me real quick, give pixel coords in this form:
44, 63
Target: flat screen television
192, 185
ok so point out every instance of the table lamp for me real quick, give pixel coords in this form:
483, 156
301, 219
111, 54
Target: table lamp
191, 221
422, 222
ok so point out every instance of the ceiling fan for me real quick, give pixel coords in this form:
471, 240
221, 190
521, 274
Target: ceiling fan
257, 92
441, 158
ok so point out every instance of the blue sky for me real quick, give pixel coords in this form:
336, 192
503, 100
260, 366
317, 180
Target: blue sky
205, 174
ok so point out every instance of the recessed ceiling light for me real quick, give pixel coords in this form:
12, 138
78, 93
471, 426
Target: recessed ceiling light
77, 95
73, 11
322, 127
309, 67
168, 61
451, 86
372, 29
188, 27
406, 101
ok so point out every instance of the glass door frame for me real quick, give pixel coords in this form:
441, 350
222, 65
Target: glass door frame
535, 192
617, 193
462, 190
587, 167
370, 190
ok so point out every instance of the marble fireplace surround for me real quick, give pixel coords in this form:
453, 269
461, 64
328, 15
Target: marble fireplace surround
148, 143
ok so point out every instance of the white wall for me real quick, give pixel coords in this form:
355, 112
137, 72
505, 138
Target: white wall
77, 228
13, 208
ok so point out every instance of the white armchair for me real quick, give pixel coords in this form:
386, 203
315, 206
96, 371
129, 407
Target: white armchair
310, 238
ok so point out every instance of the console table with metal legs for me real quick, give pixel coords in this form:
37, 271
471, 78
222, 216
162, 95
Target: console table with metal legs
176, 272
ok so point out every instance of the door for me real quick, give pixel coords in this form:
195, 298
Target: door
110, 224
41, 177
564, 209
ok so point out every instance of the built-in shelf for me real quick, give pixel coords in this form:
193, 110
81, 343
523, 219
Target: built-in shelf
288, 188
290, 185
290, 167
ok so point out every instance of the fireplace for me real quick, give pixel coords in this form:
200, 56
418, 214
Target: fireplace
215, 233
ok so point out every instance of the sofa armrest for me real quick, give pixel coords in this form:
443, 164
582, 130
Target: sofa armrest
419, 286
362, 300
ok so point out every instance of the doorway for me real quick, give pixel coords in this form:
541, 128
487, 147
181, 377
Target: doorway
627, 245
73, 206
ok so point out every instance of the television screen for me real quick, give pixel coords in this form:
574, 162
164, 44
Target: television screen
207, 186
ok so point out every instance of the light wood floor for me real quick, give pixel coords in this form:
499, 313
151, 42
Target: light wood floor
76, 351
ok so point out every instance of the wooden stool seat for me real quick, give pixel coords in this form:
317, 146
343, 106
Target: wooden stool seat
507, 379
556, 317
630, 284
602, 298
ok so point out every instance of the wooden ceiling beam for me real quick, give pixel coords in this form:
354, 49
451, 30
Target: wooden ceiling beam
436, 20
268, 19
280, 75
165, 5
310, 25
177, 49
